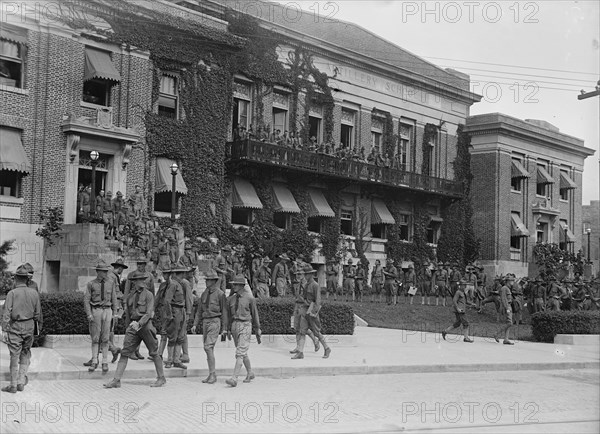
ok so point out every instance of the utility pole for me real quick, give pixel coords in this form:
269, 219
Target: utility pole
585, 95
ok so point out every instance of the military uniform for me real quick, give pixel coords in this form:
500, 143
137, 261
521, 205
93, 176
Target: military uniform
360, 282
262, 276
377, 279
391, 291
175, 315
349, 282
554, 296
441, 285
539, 297
332, 270
281, 276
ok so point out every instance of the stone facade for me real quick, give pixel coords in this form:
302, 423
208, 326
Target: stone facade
548, 211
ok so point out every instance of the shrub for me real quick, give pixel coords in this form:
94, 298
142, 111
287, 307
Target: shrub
64, 315
546, 325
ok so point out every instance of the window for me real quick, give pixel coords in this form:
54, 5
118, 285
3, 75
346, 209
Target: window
562, 244
168, 97
376, 132
241, 216
279, 120
97, 92
314, 224
433, 232
564, 194
314, 126
566, 184
515, 243
404, 227
516, 184
346, 223
544, 180
379, 231
403, 150
282, 220
347, 130
431, 155
541, 189
12, 57
515, 248
542, 232
162, 201
10, 183
242, 97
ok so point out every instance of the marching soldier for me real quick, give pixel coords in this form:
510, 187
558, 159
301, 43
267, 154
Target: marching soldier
493, 297
100, 302
22, 314
175, 311
213, 313
187, 283
147, 280
391, 274
332, 270
160, 317
281, 275
481, 287
459, 302
139, 309
517, 302
242, 315
506, 310
221, 266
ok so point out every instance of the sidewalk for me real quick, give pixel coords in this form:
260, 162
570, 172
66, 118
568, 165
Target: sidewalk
369, 351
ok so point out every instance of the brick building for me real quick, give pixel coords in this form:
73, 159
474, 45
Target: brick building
526, 189
591, 221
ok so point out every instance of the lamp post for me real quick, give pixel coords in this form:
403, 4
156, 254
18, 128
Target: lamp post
174, 168
589, 233
94, 155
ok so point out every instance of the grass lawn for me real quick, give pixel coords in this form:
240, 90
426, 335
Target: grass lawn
434, 318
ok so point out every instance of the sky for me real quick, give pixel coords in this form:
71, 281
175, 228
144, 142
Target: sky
528, 59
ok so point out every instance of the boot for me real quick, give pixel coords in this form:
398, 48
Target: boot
160, 381
160, 374
211, 379
170, 352
298, 355
115, 354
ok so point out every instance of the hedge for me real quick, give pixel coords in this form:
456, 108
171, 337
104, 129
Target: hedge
546, 325
64, 315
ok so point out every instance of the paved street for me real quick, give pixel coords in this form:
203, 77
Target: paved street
527, 401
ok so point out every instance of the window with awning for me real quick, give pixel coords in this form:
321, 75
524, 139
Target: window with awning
164, 178
517, 170
13, 53
380, 214
543, 177
318, 204
284, 200
12, 153
518, 228
244, 195
98, 66
565, 233
566, 183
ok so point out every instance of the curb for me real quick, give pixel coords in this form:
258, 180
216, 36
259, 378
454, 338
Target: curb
312, 371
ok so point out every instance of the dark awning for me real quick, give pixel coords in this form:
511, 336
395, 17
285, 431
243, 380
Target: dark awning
318, 204
244, 195
436, 219
518, 228
566, 183
13, 33
543, 177
164, 179
380, 214
12, 153
98, 65
284, 200
566, 233
518, 171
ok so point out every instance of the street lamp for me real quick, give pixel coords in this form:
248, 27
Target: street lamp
589, 232
94, 155
174, 168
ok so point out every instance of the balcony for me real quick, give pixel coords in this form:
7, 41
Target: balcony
544, 206
250, 151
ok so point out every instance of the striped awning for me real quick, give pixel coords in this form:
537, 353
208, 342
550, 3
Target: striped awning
244, 195
565, 233
517, 227
318, 204
164, 178
543, 177
98, 65
12, 153
13, 33
566, 183
518, 171
284, 200
380, 214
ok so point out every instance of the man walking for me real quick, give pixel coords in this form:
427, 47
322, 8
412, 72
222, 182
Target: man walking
22, 313
281, 275
139, 309
460, 306
242, 315
506, 310
140, 273
311, 292
100, 302
175, 314
213, 313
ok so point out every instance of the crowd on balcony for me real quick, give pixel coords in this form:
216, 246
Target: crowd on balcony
342, 151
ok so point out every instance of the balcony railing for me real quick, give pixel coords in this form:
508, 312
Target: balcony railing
328, 165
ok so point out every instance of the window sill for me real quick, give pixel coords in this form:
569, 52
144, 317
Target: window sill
377, 240
12, 200
163, 214
13, 89
236, 226
92, 105
564, 200
516, 191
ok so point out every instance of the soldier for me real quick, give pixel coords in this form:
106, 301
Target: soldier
306, 315
391, 274
108, 215
359, 281
255, 265
332, 270
471, 279
579, 295
84, 203
21, 318
118, 213
454, 278
136, 202
221, 266
539, 296
263, 277
506, 309
139, 309
189, 258
349, 276
459, 302
242, 315
517, 300
100, 302
187, 284
565, 294
160, 318
175, 302
98, 212
426, 283
281, 275
554, 293
30, 282
409, 282
294, 277
493, 297
213, 313
441, 284
481, 287
376, 280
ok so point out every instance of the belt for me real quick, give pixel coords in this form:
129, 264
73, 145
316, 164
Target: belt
177, 306
241, 320
21, 320
212, 317
101, 307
